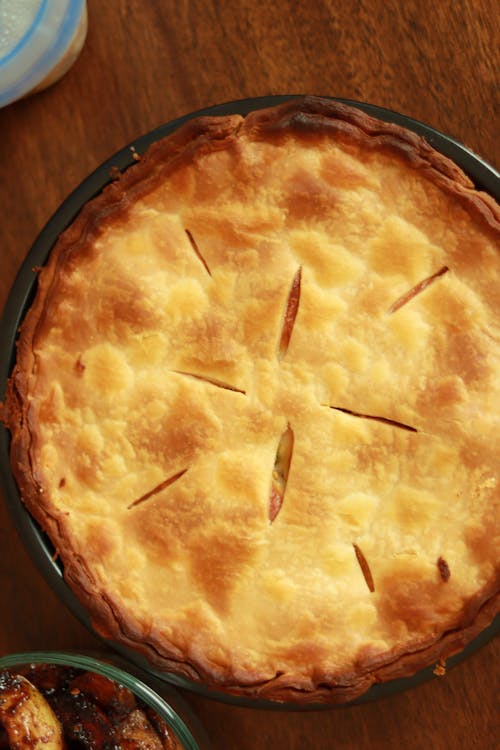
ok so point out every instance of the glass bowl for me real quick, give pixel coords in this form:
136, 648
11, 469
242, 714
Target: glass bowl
112, 668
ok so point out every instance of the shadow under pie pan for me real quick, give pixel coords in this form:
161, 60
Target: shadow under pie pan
39, 546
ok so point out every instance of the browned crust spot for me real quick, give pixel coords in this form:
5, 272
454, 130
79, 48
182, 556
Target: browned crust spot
79, 366
444, 570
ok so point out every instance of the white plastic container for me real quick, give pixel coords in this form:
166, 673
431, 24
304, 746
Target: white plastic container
39, 41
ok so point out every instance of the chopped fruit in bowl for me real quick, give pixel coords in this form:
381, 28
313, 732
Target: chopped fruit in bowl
59, 701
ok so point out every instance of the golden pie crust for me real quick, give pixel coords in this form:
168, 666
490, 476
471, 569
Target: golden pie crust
256, 404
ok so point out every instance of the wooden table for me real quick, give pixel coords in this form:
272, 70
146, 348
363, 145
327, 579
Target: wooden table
145, 63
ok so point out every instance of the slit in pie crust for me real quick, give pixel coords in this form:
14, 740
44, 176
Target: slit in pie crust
256, 404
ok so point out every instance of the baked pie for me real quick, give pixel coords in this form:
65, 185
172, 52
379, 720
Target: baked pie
256, 404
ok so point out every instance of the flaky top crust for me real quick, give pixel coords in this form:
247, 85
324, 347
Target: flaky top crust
305, 271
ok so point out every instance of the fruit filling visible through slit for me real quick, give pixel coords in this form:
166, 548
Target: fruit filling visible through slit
292, 308
280, 473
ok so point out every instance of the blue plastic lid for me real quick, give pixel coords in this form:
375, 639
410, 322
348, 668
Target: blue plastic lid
42, 46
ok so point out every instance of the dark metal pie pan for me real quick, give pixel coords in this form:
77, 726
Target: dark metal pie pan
484, 176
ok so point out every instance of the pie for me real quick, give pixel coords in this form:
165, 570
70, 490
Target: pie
256, 404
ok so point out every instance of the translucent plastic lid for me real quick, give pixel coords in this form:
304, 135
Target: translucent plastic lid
36, 36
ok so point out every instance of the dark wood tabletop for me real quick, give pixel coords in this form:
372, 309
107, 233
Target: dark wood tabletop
145, 63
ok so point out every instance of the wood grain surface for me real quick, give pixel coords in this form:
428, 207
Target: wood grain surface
145, 63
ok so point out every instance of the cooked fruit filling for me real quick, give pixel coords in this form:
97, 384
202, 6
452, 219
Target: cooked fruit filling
280, 473
291, 310
26, 717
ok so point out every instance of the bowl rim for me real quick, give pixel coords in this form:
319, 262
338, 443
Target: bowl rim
484, 176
